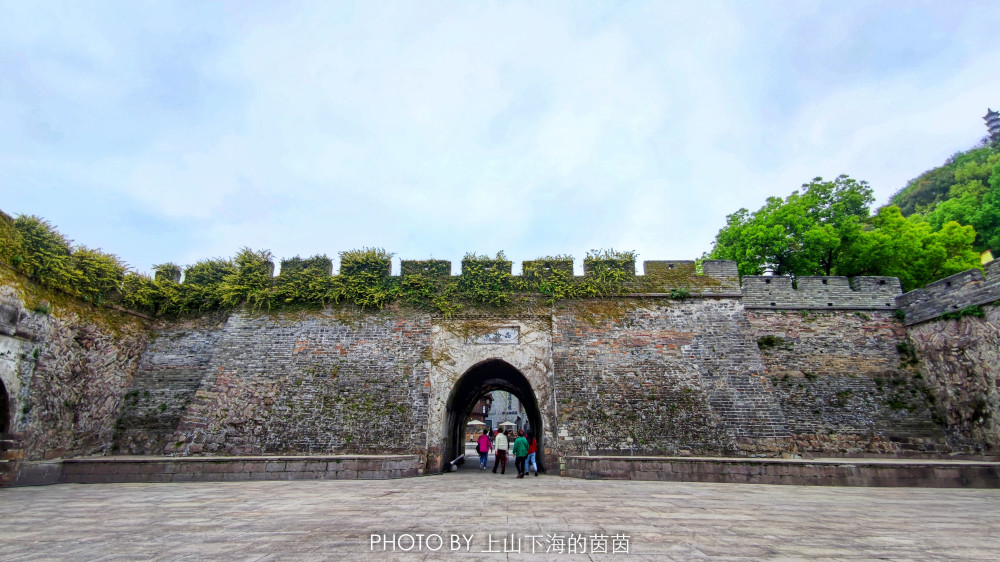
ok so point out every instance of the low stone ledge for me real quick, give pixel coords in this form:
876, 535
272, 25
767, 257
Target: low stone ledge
936, 473
106, 470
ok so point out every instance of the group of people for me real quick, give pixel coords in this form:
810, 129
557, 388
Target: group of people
524, 448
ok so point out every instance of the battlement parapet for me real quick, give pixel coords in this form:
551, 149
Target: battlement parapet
294, 265
483, 265
951, 294
168, 272
718, 277
723, 270
427, 268
820, 293
545, 267
658, 277
591, 267
670, 268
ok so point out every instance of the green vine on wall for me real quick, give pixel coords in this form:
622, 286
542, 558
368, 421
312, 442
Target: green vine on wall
34, 248
975, 311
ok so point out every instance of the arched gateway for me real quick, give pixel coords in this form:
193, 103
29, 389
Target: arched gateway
4, 409
469, 358
484, 377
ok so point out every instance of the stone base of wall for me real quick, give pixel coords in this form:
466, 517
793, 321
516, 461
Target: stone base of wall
11, 456
93, 470
813, 472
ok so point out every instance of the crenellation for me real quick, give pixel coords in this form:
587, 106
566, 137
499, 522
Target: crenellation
827, 293
591, 265
294, 265
170, 273
381, 267
685, 268
666, 277
544, 267
952, 294
723, 270
428, 268
469, 265
658, 276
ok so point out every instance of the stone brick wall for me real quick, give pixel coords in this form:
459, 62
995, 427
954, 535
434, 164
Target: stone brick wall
661, 377
846, 383
103, 470
67, 374
828, 293
171, 370
952, 294
960, 363
311, 384
798, 472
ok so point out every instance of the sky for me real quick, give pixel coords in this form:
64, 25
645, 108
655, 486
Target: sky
180, 131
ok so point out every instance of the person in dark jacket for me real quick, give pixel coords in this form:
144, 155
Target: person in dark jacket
520, 452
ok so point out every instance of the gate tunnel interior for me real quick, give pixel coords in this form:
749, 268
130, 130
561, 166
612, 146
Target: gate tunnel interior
479, 380
4, 409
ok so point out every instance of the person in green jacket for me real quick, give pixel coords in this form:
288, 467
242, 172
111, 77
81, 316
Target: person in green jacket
520, 452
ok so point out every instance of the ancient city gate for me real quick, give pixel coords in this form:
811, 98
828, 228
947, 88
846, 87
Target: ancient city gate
4, 409
471, 358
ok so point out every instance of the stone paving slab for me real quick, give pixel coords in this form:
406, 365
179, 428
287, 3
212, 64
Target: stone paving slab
331, 519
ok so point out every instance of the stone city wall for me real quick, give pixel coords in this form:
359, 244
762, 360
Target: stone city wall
661, 377
952, 294
827, 369
66, 372
846, 383
827, 293
798, 472
953, 329
104, 470
170, 372
310, 383
959, 360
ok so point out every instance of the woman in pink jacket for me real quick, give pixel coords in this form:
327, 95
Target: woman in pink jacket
483, 447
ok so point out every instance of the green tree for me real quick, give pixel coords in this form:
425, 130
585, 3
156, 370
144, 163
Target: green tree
974, 200
910, 249
827, 230
806, 233
922, 193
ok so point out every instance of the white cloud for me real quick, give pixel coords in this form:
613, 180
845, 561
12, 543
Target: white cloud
435, 130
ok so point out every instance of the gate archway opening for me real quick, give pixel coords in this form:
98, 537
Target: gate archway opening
4, 409
481, 379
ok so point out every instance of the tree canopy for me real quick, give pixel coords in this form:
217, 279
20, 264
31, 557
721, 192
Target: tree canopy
966, 189
827, 229
803, 234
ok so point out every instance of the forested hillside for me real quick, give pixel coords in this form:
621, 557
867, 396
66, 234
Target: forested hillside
966, 189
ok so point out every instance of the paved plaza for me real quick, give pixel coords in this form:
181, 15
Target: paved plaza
476, 511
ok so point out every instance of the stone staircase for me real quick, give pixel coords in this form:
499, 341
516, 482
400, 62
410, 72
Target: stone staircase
11, 455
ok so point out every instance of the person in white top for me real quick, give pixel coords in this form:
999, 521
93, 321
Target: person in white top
500, 443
